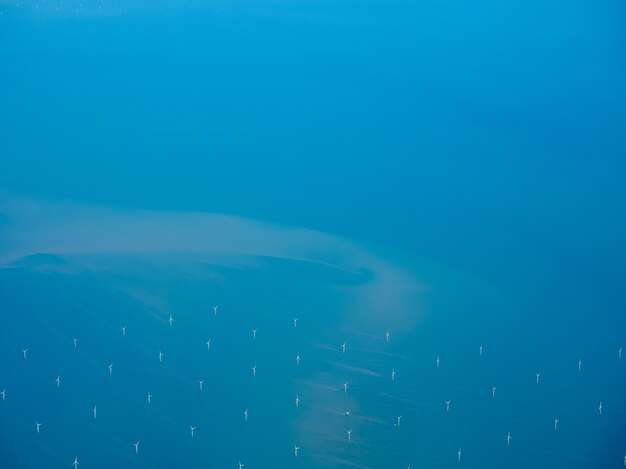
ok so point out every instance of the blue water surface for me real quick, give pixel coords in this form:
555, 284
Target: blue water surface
458, 172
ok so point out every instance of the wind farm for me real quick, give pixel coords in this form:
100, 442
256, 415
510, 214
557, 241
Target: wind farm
335, 391
291, 234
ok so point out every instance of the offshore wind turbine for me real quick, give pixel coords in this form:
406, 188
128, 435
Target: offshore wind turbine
448, 405
493, 391
349, 435
136, 445
58, 380
480, 350
37, 427
192, 428
298, 359
556, 422
343, 347
76, 342
95, 412
110, 367
215, 310
538, 375
387, 335
208, 344
295, 322
458, 454
24, 352
160, 356
75, 463
619, 352
4, 394
149, 398
393, 374
508, 439
124, 331
295, 450
200, 381
398, 420
345, 387
600, 408
253, 334
297, 401
437, 362
245, 415
171, 320
580, 364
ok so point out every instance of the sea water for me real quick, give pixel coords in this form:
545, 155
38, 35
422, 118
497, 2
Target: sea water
450, 172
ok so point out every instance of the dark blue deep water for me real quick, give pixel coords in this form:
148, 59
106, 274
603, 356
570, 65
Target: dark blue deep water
449, 171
